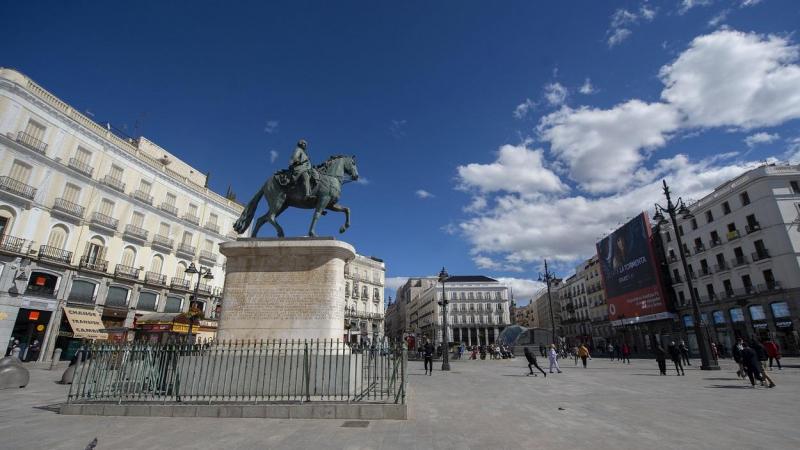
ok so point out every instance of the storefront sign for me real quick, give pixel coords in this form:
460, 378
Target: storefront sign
759, 325
85, 323
784, 325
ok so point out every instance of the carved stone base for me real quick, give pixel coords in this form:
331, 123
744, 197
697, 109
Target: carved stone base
290, 288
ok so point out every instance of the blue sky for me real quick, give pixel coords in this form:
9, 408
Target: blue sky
491, 134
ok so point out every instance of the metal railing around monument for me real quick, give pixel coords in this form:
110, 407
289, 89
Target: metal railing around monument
242, 372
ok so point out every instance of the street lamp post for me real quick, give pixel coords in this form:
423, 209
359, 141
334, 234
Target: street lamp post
547, 276
679, 207
443, 276
204, 273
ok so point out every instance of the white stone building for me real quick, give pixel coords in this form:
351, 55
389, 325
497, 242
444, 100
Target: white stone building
96, 221
743, 248
364, 299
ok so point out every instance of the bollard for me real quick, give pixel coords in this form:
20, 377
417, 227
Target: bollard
56, 358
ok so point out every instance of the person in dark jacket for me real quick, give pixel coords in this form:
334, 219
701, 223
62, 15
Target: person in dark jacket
737, 356
751, 364
427, 353
675, 355
761, 352
685, 353
532, 362
661, 359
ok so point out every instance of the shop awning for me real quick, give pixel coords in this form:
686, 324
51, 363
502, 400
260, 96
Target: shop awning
85, 323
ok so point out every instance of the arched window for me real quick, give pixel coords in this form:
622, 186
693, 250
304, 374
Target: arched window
82, 292
58, 237
7, 216
180, 270
364, 292
117, 296
173, 304
157, 264
148, 301
128, 257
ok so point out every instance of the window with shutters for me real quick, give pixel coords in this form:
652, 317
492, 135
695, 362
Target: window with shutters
173, 304
137, 219
72, 193
94, 255
106, 207
170, 199
212, 218
193, 209
180, 270
163, 229
116, 172
20, 172
209, 245
117, 296
145, 186
187, 238
83, 156
148, 301
156, 264
58, 237
128, 257
82, 292
35, 130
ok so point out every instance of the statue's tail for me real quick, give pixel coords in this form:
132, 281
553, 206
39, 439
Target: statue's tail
246, 218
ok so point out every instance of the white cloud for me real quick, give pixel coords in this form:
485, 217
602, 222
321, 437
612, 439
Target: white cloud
746, 3
600, 147
587, 88
397, 128
523, 108
478, 204
484, 262
516, 169
362, 181
721, 17
623, 19
730, 78
760, 138
523, 288
555, 93
793, 150
618, 35
423, 194
686, 5
271, 126
273, 156
566, 229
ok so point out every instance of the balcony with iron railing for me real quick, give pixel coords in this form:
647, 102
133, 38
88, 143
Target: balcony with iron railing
169, 208
103, 220
760, 255
180, 283
93, 263
211, 226
699, 249
17, 188
191, 218
114, 183
81, 166
733, 235
715, 242
67, 207
208, 256
55, 254
767, 287
163, 242
705, 271
128, 272
721, 267
739, 261
205, 288
752, 227
155, 278
676, 279
186, 249
31, 142
11, 244
135, 232
142, 196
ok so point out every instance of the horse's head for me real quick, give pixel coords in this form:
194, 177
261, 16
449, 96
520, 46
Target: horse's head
350, 167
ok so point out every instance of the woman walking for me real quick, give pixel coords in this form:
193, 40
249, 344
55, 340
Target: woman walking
661, 359
553, 356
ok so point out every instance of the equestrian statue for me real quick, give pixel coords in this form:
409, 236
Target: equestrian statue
302, 186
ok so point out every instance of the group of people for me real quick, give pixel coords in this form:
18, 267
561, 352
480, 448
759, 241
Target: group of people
752, 358
678, 353
22, 352
493, 351
553, 354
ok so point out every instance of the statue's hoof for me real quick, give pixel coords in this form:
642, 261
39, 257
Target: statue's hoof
342, 229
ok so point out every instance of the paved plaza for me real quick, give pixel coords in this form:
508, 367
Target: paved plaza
479, 404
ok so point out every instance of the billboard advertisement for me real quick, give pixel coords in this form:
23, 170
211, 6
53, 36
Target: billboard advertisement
630, 272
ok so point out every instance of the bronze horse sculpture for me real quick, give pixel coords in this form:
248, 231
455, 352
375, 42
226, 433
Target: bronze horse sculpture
281, 193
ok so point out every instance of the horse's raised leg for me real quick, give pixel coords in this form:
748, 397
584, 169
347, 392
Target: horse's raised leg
271, 217
339, 208
259, 222
321, 203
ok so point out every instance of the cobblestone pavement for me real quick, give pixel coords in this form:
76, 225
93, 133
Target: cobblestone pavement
479, 404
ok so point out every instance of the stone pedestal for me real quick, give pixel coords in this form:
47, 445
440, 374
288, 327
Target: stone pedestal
286, 288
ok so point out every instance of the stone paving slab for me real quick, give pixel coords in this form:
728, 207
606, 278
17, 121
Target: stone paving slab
478, 405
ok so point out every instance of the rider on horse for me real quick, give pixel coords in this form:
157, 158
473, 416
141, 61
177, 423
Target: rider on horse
300, 166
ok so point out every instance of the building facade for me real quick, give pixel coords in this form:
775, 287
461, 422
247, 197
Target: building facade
743, 251
364, 300
92, 220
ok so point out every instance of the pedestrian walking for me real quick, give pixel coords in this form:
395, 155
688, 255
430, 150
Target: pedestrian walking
532, 362
575, 354
553, 357
685, 353
752, 366
583, 353
661, 359
675, 355
761, 352
737, 356
773, 353
610, 351
626, 353
33, 351
541, 350
714, 351
427, 352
